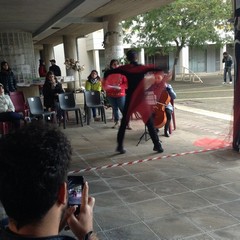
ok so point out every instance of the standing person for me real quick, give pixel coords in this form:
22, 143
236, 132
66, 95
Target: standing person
94, 83
7, 110
33, 186
42, 69
227, 59
135, 75
116, 92
7, 78
51, 89
55, 68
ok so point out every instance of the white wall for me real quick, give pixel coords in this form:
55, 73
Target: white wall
60, 58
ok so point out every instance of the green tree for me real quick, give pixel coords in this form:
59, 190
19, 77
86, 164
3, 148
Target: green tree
179, 24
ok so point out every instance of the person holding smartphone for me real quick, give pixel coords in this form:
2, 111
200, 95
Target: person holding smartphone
33, 186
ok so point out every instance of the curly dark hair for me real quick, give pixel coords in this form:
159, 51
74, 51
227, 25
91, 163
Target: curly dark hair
33, 165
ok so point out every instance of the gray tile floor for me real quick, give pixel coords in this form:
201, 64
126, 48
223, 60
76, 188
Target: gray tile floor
187, 192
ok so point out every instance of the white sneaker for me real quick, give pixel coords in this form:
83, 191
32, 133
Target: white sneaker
116, 124
27, 119
230, 83
224, 83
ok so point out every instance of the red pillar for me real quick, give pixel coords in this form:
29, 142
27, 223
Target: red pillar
236, 107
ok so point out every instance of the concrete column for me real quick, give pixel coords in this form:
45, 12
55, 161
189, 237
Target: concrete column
48, 54
113, 39
70, 51
222, 50
96, 61
142, 56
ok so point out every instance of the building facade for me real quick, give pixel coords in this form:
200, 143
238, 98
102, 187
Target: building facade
201, 60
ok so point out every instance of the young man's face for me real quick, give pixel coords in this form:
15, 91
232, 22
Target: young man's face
1, 90
5, 66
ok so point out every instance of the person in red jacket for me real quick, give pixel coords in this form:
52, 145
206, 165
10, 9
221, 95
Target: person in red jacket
42, 69
115, 88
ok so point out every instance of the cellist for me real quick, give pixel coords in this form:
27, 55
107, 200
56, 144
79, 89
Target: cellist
165, 105
169, 109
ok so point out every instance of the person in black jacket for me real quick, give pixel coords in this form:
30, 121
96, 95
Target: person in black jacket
227, 59
51, 89
135, 74
7, 78
55, 68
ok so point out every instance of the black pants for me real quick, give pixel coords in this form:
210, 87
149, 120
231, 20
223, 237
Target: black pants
124, 122
13, 117
169, 117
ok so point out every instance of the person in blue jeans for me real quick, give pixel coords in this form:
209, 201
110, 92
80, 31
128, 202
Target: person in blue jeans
115, 88
169, 109
227, 59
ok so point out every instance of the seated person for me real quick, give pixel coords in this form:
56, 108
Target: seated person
51, 89
7, 110
33, 186
167, 96
169, 109
94, 84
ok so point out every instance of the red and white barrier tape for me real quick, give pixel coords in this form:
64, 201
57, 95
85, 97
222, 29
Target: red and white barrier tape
147, 160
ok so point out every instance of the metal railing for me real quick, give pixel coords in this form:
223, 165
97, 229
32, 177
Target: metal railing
188, 76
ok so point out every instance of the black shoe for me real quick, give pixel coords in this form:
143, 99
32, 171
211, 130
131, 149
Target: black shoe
120, 149
166, 134
158, 149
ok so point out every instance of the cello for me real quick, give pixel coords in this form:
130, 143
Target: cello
159, 114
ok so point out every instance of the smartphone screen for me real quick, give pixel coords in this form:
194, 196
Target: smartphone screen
75, 187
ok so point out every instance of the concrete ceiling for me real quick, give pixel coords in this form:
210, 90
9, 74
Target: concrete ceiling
49, 20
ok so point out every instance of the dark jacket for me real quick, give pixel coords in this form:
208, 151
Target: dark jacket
228, 61
8, 80
50, 94
55, 69
6, 234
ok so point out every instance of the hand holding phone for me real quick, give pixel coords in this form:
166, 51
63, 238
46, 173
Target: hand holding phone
82, 225
75, 188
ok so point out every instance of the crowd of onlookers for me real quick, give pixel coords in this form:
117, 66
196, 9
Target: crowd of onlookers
113, 92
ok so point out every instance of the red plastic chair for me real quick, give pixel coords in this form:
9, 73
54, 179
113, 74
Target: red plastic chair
19, 103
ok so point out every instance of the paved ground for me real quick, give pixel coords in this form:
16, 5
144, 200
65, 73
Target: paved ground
191, 191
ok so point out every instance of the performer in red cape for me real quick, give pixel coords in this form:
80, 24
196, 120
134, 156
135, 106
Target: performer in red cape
135, 100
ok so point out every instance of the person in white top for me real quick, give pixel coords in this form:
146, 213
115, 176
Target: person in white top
7, 110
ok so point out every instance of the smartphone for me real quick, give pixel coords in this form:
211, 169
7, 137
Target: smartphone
75, 187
